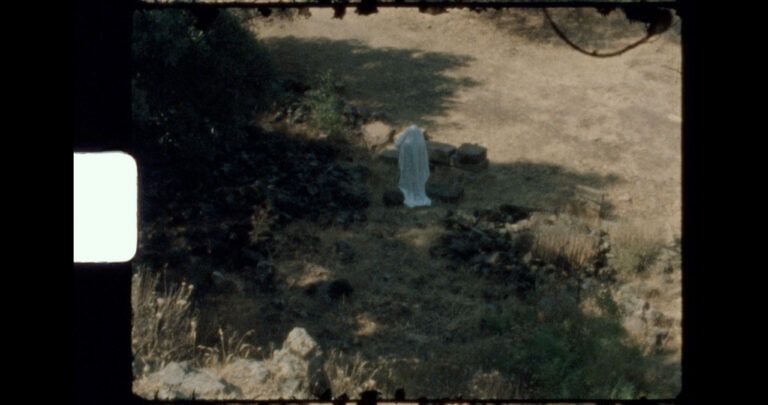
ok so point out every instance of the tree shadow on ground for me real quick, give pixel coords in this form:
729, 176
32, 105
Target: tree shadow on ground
409, 86
584, 26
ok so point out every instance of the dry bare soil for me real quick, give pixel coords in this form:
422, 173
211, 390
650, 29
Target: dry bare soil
550, 117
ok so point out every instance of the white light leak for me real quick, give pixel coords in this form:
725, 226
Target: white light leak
105, 207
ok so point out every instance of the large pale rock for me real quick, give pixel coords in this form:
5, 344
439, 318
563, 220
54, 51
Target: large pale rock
377, 133
297, 367
245, 372
180, 381
300, 343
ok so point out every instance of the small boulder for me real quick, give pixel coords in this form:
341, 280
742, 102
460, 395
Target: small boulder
440, 152
470, 157
297, 367
445, 192
471, 154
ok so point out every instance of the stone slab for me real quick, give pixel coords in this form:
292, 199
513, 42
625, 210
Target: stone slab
440, 152
445, 192
471, 154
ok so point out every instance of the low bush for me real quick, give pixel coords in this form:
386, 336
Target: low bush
326, 108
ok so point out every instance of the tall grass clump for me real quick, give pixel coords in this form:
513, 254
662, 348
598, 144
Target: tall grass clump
229, 349
350, 375
635, 248
164, 327
564, 246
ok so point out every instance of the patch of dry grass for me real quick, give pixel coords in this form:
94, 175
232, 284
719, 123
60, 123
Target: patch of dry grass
164, 325
350, 374
229, 349
564, 245
635, 248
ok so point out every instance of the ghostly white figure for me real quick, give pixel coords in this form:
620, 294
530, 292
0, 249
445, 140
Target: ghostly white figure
414, 167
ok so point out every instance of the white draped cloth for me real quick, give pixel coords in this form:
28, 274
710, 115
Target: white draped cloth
414, 167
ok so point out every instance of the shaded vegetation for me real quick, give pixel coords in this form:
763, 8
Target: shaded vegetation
194, 89
573, 354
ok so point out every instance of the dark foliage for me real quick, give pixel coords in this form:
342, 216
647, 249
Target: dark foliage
197, 78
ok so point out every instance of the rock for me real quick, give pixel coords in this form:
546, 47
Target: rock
634, 325
393, 198
633, 304
390, 156
440, 152
515, 213
244, 372
180, 381
445, 192
472, 167
340, 288
299, 343
471, 154
297, 367
377, 133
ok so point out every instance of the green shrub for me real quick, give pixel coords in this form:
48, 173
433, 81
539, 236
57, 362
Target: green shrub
326, 108
572, 354
193, 89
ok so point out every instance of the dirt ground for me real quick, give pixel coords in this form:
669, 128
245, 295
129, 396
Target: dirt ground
550, 117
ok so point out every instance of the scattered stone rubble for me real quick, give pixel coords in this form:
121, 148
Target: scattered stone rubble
293, 371
469, 157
